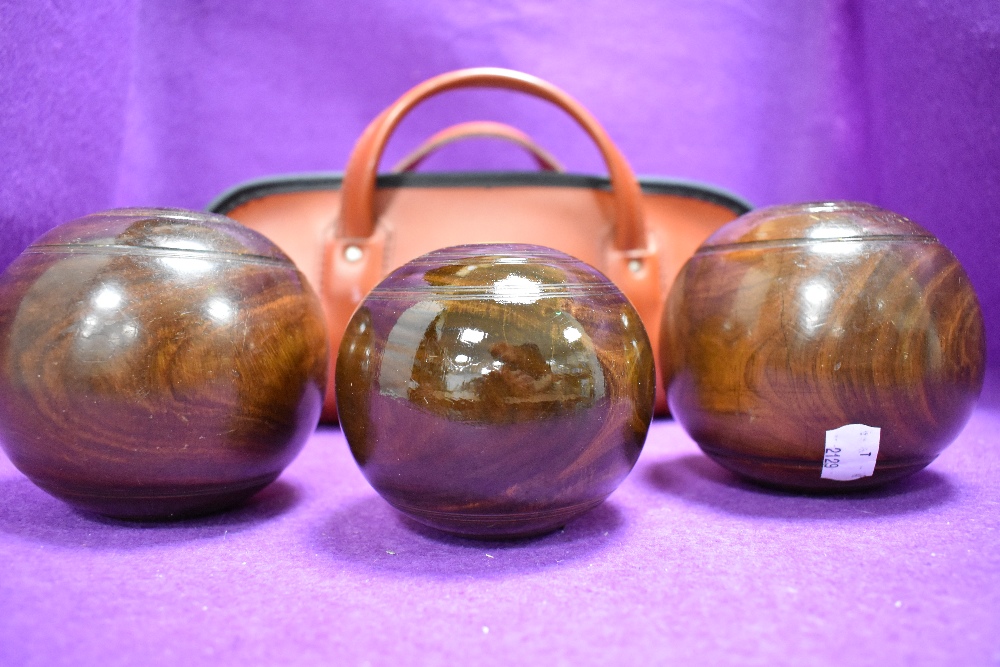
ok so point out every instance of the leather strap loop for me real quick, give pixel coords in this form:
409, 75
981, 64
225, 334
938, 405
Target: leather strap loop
478, 129
357, 213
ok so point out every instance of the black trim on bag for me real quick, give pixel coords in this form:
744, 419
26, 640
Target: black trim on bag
273, 185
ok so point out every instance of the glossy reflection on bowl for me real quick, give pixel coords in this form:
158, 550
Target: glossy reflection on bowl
157, 363
794, 322
495, 390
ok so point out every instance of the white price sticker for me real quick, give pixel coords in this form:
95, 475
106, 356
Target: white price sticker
851, 452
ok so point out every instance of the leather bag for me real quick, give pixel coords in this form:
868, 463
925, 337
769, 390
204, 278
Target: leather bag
348, 231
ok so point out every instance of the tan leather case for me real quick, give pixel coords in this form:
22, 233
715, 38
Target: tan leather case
348, 232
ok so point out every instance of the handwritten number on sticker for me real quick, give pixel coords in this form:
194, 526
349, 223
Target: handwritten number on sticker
851, 452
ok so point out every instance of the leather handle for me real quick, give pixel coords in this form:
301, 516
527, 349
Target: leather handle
479, 129
357, 212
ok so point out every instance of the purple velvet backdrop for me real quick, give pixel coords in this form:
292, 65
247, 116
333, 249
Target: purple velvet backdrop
170, 102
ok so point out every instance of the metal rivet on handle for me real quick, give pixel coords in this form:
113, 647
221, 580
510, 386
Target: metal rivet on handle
353, 253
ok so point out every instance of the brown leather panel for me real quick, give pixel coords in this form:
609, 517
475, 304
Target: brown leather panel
413, 221
419, 220
680, 225
300, 223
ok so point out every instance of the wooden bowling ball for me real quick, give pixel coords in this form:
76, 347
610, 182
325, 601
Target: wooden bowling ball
157, 363
823, 346
495, 391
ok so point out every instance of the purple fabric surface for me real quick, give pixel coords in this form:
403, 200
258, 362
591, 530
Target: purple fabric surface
170, 102
684, 564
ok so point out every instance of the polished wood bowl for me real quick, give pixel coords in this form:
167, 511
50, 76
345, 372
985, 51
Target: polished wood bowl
157, 363
794, 321
495, 391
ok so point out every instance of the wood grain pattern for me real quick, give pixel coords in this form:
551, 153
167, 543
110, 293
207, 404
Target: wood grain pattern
157, 363
495, 390
795, 320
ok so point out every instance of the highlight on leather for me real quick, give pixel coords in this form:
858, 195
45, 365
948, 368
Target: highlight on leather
479, 129
357, 212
